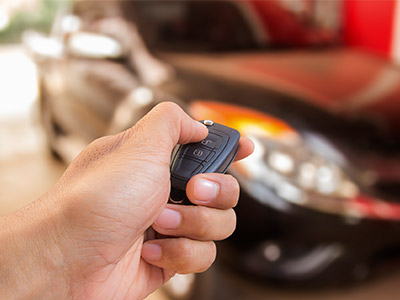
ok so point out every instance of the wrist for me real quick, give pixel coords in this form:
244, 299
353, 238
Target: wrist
31, 256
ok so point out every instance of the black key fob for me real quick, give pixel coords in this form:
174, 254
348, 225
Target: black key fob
214, 154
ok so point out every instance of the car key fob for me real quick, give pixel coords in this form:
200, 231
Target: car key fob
214, 154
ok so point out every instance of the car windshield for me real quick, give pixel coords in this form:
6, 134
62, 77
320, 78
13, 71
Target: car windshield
191, 25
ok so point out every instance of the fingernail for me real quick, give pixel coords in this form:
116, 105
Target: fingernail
205, 190
151, 251
169, 219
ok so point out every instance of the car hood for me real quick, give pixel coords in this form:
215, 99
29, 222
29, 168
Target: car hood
345, 82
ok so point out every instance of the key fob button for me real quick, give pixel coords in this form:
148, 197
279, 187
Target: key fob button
187, 167
209, 157
196, 152
212, 141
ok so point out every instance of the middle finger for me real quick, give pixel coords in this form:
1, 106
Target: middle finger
196, 222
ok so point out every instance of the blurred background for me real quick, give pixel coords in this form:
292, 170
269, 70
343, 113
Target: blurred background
314, 83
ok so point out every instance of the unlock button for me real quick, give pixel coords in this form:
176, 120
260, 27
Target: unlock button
196, 152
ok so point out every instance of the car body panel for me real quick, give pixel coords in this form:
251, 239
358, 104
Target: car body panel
343, 81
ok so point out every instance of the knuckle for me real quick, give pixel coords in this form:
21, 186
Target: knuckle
230, 177
184, 248
232, 221
186, 261
233, 191
96, 150
172, 115
235, 199
204, 219
229, 189
213, 252
130, 132
183, 254
98, 143
233, 183
169, 107
210, 258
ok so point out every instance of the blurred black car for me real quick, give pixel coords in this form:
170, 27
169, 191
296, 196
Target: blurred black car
320, 195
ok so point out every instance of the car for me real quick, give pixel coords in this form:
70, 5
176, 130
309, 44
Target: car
319, 197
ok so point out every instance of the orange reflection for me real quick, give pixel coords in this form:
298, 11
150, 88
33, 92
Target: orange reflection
246, 121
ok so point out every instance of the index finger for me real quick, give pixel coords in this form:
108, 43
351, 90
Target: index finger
169, 125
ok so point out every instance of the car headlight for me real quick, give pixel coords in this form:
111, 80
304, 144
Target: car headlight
296, 174
289, 168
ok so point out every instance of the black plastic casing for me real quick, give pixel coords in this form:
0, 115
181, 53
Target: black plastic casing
214, 154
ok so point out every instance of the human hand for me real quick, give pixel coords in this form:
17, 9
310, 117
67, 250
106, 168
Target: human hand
113, 192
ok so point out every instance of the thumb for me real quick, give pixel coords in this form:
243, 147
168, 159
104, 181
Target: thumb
151, 142
167, 125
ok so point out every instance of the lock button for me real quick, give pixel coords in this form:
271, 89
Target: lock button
212, 141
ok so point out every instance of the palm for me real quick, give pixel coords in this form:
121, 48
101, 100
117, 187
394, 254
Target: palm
113, 243
130, 278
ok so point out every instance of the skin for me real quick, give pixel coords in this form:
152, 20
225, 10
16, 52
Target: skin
86, 237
